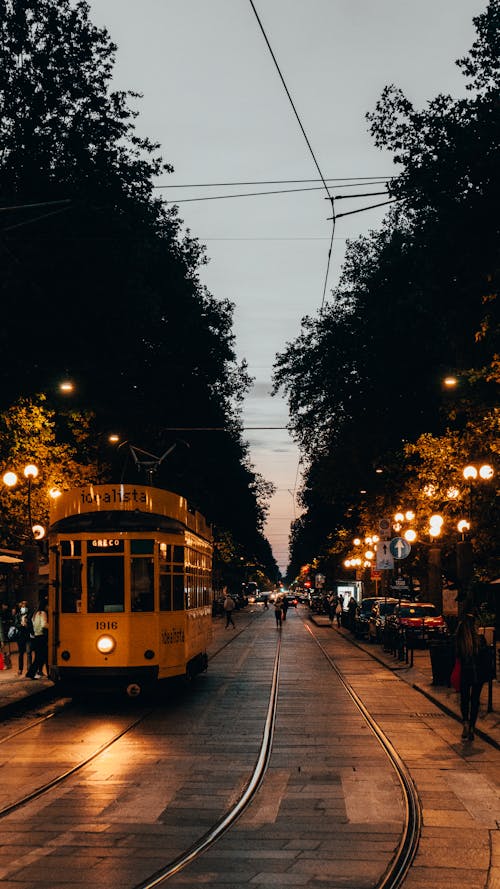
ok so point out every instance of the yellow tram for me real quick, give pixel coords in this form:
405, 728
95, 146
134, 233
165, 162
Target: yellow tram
130, 593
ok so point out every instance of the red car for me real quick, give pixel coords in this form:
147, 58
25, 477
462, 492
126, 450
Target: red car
421, 619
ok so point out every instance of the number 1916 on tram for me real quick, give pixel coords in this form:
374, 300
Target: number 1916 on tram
130, 591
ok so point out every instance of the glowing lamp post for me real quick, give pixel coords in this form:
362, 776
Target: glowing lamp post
30, 552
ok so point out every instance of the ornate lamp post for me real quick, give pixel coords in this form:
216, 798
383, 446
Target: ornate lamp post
30, 552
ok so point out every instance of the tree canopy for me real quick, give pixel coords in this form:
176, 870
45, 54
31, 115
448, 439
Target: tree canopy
100, 281
417, 300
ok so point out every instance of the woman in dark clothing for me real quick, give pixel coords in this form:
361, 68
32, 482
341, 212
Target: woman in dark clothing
472, 653
24, 627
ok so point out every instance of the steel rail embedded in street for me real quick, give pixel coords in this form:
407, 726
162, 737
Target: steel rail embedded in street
408, 845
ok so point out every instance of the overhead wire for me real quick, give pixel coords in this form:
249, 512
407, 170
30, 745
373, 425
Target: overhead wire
358, 180
256, 194
261, 26
10, 228
30, 206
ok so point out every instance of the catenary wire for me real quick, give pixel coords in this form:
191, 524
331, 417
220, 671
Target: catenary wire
353, 181
371, 207
257, 194
308, 145
10, 228
39, 204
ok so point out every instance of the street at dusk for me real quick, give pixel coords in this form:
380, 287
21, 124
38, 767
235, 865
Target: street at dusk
249, 444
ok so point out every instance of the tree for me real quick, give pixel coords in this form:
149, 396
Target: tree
416, 299
28, 436
100, 280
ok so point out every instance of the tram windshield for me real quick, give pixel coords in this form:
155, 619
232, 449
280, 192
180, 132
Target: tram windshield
105, 583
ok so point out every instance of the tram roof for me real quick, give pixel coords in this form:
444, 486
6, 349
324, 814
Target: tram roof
144, 501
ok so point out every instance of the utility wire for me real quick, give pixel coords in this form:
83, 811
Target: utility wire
352, 180
308, 145
257, 194
371, 207
30, 206
10, 228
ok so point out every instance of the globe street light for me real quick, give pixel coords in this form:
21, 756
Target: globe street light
10, 479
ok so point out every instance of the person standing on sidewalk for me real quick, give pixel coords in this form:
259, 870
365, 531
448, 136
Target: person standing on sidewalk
473, 655
229, 606
40, 621
24, 636
5, 625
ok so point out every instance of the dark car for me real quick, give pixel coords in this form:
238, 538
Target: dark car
380, 614
292, 601
367, 613
362, 617
420, 621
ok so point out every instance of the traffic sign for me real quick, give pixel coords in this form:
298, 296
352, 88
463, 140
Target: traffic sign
385, 559
384, 527
399, 547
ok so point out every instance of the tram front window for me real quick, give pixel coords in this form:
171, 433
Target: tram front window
142, 584
105, 584
71, 585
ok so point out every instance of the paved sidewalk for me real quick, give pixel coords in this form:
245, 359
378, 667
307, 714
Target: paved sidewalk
420, 677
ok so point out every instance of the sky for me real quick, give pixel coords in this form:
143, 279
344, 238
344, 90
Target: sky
212, 97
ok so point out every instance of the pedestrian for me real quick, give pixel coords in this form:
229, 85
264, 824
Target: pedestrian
351, 610
40, 622
265, 599
330, 605
23, 636
338, 610
474, 656
229, 606
284, 607
5, 625
278, 612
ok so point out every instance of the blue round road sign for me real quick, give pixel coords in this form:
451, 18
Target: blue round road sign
399, 547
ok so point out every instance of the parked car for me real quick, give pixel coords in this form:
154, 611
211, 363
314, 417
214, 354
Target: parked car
362, 616
380, 612
420, 620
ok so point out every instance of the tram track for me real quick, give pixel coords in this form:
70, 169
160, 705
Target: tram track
401, 861
68, 773
398, 868
64, 776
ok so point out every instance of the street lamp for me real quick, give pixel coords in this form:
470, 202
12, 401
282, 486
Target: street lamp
10, 479
471, 474
30, 472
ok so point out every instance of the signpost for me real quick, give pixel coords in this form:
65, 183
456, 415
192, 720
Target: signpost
385, 558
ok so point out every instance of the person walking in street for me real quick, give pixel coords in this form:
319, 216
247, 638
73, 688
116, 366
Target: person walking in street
284, 607
23, 636
229, 606
278, 612
473, 655
40, 622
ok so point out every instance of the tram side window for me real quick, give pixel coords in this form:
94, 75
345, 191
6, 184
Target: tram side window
178, 554
142, 584
178, 592
105, 583
71, 585
165, 591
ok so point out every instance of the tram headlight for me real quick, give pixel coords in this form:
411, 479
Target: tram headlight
106, 644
